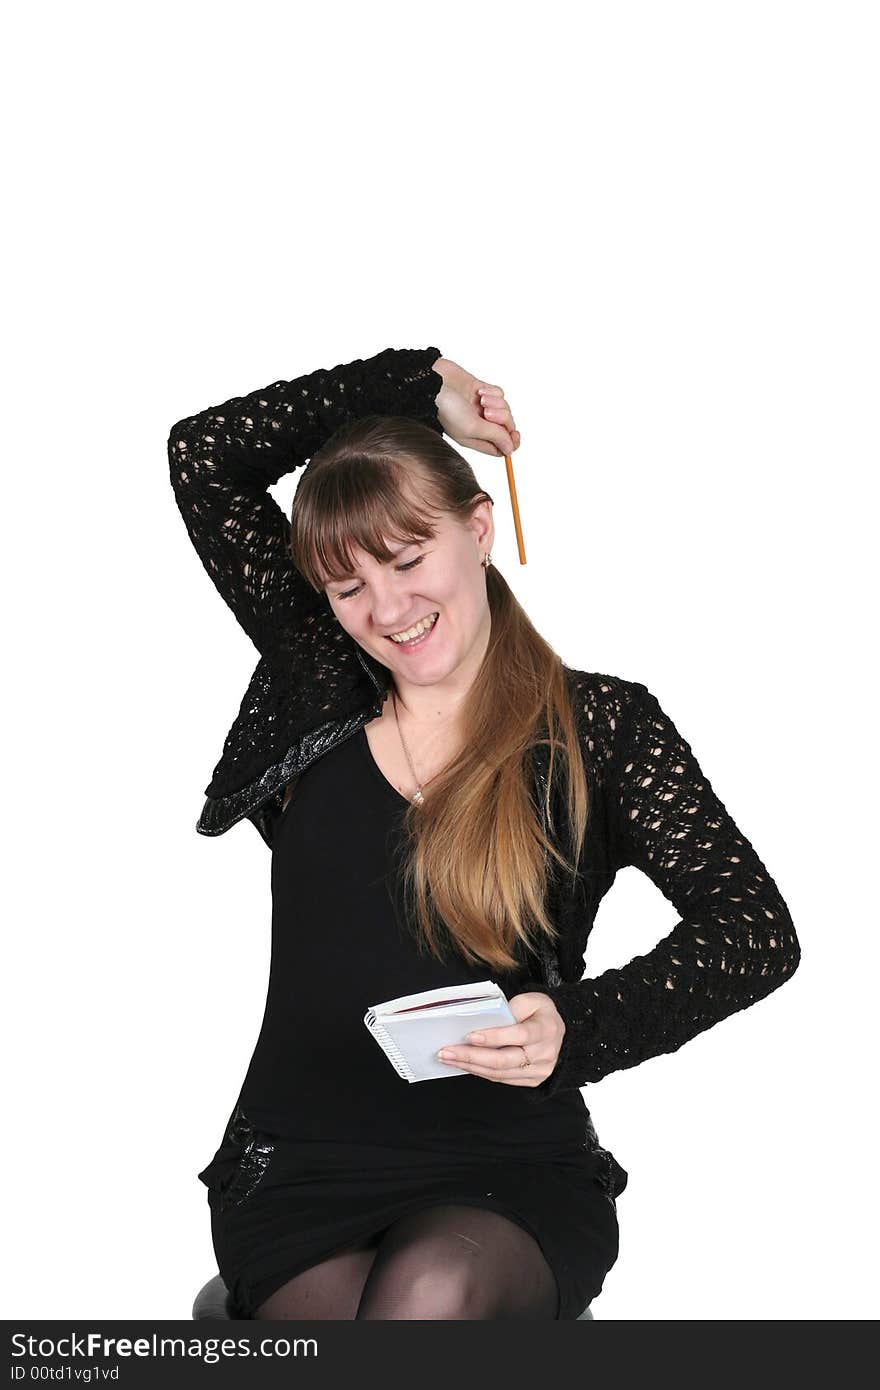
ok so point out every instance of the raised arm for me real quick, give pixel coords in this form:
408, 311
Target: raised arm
223, 460
735, 942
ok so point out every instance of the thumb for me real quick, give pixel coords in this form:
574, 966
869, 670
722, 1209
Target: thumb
494, 439
523, 1006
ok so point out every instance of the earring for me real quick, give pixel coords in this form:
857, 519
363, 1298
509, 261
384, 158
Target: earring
487, 562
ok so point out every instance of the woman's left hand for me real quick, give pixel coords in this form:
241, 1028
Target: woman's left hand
498, 1054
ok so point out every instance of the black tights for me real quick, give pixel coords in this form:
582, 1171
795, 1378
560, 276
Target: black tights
446, 1262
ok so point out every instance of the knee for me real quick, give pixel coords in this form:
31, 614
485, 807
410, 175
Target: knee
449, 1293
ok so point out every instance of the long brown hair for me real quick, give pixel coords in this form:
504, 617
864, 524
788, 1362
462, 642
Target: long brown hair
476, 867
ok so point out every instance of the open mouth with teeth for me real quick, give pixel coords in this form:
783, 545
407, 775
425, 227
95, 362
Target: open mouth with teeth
417, 635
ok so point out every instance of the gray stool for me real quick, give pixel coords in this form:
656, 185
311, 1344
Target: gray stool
214, 1302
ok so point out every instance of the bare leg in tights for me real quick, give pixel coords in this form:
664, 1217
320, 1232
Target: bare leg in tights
329, 1291
445, 1262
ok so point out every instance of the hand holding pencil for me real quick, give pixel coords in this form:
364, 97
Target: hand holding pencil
476, 415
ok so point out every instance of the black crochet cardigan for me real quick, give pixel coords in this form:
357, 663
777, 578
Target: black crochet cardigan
651, 805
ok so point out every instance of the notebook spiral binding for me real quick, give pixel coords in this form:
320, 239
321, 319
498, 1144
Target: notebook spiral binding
388, 1045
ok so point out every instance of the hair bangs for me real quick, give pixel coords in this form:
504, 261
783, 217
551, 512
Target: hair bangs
368, 506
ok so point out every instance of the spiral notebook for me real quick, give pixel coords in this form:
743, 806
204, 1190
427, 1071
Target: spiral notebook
412, 1029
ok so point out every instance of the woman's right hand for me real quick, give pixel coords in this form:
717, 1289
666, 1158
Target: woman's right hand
474, 413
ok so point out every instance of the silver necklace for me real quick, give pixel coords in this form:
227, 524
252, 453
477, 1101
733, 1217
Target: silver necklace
417, 799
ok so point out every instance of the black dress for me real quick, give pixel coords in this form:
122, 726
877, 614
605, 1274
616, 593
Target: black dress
327, 1145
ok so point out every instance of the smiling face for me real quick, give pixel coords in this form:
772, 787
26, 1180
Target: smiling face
442, 575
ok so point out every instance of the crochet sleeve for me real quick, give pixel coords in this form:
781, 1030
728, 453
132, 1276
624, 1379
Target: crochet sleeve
735, 942
223, 460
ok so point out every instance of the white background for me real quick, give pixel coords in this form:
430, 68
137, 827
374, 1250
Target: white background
656, 227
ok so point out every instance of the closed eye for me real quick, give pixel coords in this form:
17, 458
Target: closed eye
411, 564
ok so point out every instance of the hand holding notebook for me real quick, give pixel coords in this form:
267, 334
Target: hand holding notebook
412, 1029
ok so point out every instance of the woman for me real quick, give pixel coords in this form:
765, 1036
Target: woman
445, 802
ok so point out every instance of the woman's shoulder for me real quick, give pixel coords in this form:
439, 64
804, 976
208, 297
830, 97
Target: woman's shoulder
600, 695
602, 705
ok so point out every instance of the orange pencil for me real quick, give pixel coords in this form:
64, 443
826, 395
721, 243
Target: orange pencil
513, 502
